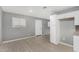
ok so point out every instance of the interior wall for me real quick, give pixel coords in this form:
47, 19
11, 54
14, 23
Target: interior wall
10, 33
0, 24
54, 29
66, 31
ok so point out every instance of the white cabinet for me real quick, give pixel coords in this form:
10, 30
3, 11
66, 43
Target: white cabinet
76, 20
76, 43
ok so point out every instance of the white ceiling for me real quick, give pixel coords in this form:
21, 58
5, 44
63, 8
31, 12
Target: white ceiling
36, 11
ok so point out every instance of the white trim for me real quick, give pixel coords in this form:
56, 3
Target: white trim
65, 44
17, 39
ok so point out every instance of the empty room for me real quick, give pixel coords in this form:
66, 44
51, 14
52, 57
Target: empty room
39, 28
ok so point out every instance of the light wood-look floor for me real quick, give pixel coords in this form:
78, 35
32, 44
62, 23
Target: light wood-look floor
36, 44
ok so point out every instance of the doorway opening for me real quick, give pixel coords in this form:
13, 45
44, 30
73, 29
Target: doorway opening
38, 27
67, 30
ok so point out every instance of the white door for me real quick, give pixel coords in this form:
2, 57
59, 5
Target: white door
38, 27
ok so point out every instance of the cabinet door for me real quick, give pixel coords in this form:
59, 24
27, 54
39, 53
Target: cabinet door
76, 43
76, 21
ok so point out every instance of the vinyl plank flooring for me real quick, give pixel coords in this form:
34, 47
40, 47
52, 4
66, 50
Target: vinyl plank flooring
35, 44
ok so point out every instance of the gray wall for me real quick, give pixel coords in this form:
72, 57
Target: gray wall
0, 24
67, 29
10, 33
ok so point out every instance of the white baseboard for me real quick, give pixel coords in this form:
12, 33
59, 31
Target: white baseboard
17, 39
66, 44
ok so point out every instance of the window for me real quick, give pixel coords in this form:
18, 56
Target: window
18, 22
